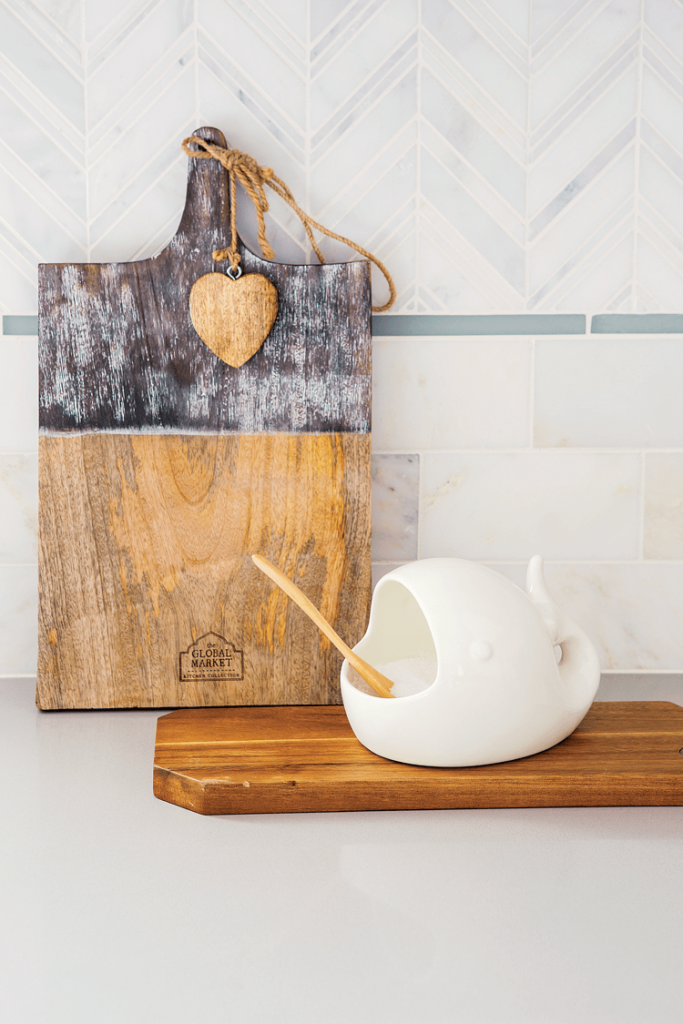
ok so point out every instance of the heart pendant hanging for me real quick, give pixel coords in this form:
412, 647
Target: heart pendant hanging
233, 316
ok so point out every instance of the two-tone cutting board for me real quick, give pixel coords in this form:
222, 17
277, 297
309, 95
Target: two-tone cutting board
162, 468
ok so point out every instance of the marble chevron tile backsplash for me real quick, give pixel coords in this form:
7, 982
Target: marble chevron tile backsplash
504, 157
500, 157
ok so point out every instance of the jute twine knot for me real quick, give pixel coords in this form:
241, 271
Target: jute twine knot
243, 168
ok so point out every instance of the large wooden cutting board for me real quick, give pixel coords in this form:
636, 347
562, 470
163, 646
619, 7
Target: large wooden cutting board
278, 760
162, 469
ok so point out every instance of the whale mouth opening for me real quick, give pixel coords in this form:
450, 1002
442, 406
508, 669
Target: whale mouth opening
399, 643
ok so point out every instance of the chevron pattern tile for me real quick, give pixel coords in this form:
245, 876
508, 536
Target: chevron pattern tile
499, 155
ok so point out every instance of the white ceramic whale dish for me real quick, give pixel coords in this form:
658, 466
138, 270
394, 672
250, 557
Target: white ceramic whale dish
499, 692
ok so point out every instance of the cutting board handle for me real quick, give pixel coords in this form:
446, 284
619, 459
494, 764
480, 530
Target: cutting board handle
205, 223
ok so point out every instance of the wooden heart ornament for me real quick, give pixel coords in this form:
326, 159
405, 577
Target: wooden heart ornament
233, 317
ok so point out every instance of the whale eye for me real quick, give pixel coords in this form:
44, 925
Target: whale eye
480, 651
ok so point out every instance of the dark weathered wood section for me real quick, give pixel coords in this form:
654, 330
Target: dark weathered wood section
118, 350
277, 760
162, 469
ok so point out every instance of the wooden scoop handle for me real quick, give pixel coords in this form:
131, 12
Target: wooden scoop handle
372, 677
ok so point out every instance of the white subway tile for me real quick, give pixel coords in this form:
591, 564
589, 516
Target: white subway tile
609, 392
19, 405
18, 508
632, 612
515, 571
493, 506
663, 532
450, 393
18, 619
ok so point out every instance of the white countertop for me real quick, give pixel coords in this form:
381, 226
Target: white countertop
118, 908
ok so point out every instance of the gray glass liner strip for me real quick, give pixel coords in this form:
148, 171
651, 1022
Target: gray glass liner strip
402, 324
20, 325
637, 323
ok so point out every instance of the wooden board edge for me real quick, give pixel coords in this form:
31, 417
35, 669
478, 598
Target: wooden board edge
290, 796
174, 788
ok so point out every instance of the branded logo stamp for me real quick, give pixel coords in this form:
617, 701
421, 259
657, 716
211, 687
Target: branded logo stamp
211, 658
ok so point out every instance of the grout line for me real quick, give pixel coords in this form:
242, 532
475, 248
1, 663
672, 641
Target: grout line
58, 139
523, 562
503, 56
532, 387
527, 154
569, 118
568, 34
197, 112
56, 216
307, 128
139, 198
418, 162
351, 35
134, 115
419, 505
384, 87
86, 129
636, 158
587, 450
468, 189
641, 671
48, 45
641, 509
609, 62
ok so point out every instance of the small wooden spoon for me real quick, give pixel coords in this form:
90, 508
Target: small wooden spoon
372, 677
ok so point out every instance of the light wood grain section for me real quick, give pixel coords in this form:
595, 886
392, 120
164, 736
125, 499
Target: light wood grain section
145, 544
379, 683
271, 760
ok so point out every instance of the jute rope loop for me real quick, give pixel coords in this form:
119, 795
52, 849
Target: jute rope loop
253, 178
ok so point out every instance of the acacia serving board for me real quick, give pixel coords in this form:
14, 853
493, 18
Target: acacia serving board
162, 468
285, 759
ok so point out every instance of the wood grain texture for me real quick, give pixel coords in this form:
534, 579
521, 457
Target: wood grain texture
162, 468
144, 549
271, 760
233, 318
118, 351
379, 683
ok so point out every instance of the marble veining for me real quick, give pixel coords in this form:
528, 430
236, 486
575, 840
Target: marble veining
513, 157
395, 489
